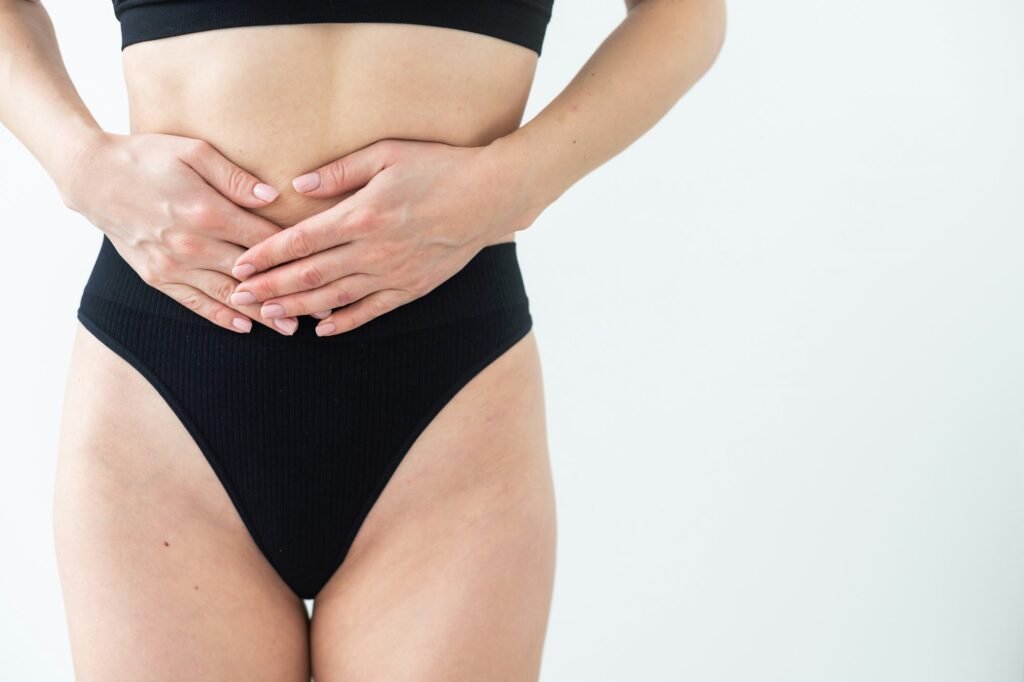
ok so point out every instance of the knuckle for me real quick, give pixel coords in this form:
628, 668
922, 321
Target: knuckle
161, 265
206, 216
377, 307
238, 181
192, 301
364, 218
299, 244
344, 322
343, 296
380, 252
222, 290
148, 275
156, 269
221, 316
264, 291
311, 277
199, 213
335, 173
187, 245
196, 148
420, 285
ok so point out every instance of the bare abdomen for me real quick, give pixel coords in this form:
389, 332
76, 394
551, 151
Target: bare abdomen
282, 100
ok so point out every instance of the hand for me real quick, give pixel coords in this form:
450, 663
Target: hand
173, 208
421, 212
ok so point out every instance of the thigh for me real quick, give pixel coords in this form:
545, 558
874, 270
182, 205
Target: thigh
450, 577
160, 578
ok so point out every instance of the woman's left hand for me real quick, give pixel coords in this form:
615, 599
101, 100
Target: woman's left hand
421, 212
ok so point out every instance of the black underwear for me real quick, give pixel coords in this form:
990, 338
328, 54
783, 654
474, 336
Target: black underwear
304, 431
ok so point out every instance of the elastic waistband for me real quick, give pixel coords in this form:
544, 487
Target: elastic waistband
490, 281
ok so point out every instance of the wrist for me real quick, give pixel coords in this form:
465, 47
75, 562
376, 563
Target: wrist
68, 175
516, 175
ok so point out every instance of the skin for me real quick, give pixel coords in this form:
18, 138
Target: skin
420, 163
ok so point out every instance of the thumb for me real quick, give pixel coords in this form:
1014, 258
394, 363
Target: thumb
348, 173
236, 184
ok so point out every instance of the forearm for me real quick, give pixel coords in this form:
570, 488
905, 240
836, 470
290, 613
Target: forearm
631, 81
38, 102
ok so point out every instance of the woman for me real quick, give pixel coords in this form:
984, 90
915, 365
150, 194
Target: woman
306, 367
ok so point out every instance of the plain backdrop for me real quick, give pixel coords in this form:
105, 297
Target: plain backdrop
783, 346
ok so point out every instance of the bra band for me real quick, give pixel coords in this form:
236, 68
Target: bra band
523, 22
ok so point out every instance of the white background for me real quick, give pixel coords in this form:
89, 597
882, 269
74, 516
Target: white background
783, 346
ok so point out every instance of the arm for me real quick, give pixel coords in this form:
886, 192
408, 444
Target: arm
633, 79
181, 226
423, 209
38, 102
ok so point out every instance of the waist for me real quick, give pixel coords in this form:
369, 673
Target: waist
282, 100
491, 283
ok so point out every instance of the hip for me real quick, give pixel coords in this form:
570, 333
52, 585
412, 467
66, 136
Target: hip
490, 287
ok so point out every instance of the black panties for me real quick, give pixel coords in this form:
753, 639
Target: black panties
302, 431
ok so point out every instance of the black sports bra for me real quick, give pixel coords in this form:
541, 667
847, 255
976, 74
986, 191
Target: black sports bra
518, 21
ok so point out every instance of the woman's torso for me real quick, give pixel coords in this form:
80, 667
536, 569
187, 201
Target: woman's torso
282, 100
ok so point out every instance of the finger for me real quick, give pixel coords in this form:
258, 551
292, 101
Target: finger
245, 229
334, 295
216, 216
350, 172
322, 314
305, 274
202, 252
330, 228
362, 311
233, 182
218, 287
204, 306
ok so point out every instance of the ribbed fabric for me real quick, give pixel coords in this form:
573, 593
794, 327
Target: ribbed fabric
523, 22
304, 432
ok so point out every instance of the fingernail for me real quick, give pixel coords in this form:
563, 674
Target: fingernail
272, 310
243, 298
325, 328
242, 324
287, 324
322, 314
243, 271
307, 182
264, 191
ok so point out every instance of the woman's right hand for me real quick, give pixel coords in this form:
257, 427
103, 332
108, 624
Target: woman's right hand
172, 206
